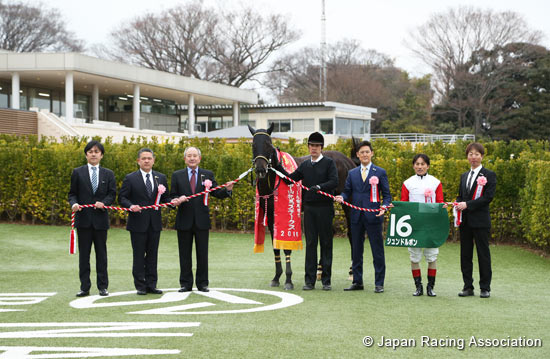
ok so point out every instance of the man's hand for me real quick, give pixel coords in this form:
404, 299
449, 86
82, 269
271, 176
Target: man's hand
381, 213
461, 206
135, 208
229, 187
76, 207
315, 188
339, 199
175, 202
99, 205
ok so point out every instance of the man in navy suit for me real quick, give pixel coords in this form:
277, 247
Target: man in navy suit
476, 191
360, 188
141, 188
193, 218
92, 184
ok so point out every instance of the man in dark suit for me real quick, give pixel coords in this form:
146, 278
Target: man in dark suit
142, 188
318, 174
477, 189
360, 188
92, 184
193, 217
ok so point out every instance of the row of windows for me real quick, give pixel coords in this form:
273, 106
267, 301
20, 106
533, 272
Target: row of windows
344, 126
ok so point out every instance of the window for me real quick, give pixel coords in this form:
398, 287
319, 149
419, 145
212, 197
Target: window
303, 125
280, 125
326, 126
348, 127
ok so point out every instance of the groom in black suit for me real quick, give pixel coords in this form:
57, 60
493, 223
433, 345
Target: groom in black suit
92, 184
141, 188
477, 189
193, 218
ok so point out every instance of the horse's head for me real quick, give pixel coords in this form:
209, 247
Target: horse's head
263, 151
353, 155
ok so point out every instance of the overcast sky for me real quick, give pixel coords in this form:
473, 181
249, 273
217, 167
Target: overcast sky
382, 25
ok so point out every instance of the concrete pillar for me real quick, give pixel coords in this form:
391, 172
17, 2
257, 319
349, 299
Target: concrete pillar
69, 96
191, 114
15, 91
95, 103
236, 112
136, 109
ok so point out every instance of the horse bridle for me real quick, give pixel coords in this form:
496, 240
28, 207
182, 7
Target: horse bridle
267, 160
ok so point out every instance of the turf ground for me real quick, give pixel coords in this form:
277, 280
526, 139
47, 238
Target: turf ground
315, 324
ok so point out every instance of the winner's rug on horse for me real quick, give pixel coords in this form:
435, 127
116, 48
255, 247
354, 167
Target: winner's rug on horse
264, 155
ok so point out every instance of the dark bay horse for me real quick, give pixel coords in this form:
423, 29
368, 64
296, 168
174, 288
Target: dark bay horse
264, 155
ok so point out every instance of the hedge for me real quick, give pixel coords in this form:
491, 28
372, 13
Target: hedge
35, 178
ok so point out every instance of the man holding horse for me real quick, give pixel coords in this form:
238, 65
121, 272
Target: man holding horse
318, 174
364, 185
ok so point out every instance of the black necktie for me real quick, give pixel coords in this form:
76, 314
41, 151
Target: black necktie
148, 186
470, 180
193, 181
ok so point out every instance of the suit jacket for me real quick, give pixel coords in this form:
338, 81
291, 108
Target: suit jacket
133, 191
194, 211
359, 192
81, 193
477, 214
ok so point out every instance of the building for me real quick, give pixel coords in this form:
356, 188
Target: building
71, 94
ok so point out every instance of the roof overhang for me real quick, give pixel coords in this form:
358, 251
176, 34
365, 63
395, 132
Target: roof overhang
48, 70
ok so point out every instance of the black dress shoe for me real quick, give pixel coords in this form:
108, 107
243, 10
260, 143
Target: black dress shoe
103, 292
203, 289
466, 293
83, 293
154, 291
308, 287
484, 294
379, 289
327, 287
355, 286
141, 292
185, 289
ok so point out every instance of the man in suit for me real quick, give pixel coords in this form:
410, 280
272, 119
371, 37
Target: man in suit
141, 188
193, 217
92, 184
318, 174
477, 189
364, 185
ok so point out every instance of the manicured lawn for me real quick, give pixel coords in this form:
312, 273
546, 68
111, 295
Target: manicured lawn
35, 259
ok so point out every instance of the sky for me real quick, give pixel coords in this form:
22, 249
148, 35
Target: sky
382, 25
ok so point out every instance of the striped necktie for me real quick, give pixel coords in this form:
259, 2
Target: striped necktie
94, 179
148, 186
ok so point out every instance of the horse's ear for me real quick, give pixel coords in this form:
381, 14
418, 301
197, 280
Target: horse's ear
271, 127
252, 131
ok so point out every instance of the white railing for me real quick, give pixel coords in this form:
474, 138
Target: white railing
422, 137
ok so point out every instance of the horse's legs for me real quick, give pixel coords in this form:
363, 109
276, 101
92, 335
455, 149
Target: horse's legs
288, 271
278, 268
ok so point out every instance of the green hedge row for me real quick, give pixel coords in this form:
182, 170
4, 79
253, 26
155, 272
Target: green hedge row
35, 176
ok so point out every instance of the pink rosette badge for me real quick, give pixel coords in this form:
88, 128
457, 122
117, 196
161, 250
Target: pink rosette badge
428, 193
373, 181
481, 182
160, 191
207, 184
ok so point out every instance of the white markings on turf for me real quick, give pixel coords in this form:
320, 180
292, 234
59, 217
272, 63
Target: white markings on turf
217, 295
22, 299
95, 330
76, 352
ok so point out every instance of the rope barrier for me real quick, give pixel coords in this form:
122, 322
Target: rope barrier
72, 247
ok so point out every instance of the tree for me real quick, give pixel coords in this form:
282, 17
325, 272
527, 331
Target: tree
28, 28
447, 41
355, 76
229, 47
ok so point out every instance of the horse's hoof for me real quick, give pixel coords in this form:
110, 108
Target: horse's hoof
274, 283
289, 286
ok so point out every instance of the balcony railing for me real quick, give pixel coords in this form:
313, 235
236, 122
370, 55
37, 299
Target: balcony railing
421, 137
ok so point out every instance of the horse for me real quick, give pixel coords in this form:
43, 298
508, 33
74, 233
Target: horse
264, 155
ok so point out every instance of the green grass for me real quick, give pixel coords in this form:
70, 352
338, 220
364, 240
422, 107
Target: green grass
325, 325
